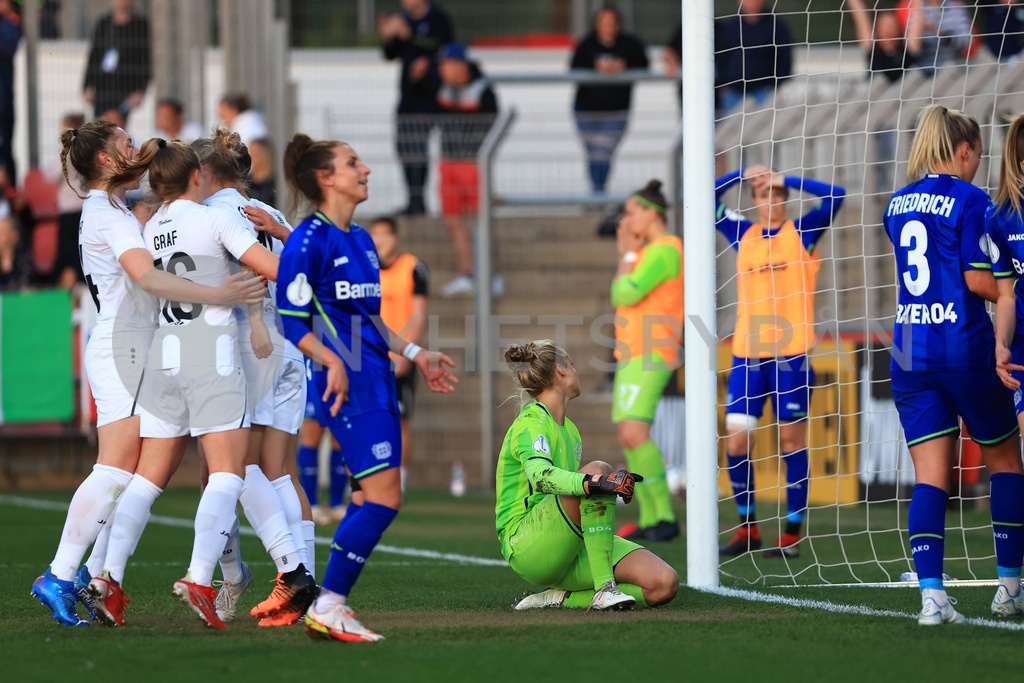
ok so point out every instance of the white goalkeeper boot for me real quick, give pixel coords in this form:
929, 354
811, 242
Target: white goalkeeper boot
611, 598
551, 597
937, 609
1006, 605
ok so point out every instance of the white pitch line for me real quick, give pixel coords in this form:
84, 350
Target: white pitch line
178, 522
859, 610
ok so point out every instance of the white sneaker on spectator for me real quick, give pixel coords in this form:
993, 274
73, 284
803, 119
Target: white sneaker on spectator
463, 284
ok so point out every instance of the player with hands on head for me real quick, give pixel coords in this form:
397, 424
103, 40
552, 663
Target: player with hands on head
329, 299
563, 537
777, 263
122, 279
943, 360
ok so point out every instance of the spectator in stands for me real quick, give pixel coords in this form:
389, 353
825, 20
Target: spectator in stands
67, 268
171, 123
602, 111
886, 50
10, 36
16, 271
753, 55
262, 176
415, 36
945, 30
237, 114
404, 284
468, 107
120, 65
1004, 29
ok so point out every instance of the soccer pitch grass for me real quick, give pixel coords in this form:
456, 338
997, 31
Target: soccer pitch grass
449, 619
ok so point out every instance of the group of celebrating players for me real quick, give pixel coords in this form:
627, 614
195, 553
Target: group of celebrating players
229, 367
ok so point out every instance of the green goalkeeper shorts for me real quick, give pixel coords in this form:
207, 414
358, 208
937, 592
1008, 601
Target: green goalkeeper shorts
639, 385
548, 550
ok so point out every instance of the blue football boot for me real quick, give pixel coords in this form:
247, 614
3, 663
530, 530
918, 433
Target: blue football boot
59, 596
82, 580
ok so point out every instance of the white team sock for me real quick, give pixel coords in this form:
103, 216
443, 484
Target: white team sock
309, 538
292, 507
214, 517
133, 508
231, 558
263, 510
90, 508
99, 549
328, 600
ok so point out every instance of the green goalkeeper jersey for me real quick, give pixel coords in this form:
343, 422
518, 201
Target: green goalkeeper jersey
538, 458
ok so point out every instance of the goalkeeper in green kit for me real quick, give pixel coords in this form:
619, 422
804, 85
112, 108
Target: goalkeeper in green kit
555, 519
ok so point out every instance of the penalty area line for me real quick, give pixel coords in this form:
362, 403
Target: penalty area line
180, 523
857, 610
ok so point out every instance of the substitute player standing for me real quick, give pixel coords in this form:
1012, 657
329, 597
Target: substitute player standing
403, 307
329, 300
943, 353
777, 264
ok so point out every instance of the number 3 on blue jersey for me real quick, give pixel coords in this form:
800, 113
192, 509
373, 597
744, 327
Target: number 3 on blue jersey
914, 236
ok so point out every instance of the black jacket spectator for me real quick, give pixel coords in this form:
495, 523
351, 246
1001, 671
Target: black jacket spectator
588, 53
1004, 29
427, 35
752, 52
119, 62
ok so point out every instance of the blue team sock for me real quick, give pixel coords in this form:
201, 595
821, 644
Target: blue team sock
309, 472
741, 475
796, 485
353, 542
339, 478
350, 512
1007, 507
926, 525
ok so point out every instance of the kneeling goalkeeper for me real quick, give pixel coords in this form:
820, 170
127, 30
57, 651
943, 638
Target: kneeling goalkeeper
555, 523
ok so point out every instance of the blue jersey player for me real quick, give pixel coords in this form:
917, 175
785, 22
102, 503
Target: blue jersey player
329, 299
1005, 227
943, 361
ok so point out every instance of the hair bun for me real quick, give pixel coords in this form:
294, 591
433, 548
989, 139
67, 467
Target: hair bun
653, 186
515, 354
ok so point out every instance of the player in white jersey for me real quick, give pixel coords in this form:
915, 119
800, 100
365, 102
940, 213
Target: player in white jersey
276, 390
194, 383
121, 277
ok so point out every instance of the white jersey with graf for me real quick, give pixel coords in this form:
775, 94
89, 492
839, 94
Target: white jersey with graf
195, 242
